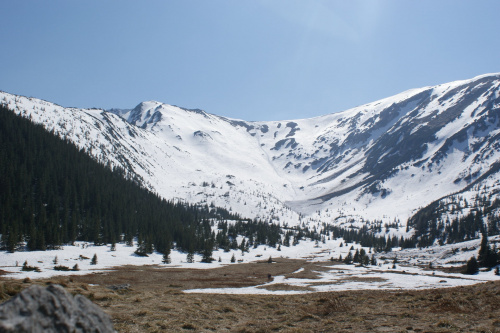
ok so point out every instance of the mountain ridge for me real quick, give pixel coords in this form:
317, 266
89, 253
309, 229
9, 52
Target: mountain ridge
382, 160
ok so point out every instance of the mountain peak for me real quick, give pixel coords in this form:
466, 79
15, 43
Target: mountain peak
381, 160
144, 113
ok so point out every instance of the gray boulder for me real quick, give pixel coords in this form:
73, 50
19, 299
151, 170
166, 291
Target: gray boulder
52, 309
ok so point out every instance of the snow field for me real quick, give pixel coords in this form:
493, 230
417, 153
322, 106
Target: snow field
412, 269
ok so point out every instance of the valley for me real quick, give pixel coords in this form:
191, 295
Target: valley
309, 266
383, 161
151, 299
361, 220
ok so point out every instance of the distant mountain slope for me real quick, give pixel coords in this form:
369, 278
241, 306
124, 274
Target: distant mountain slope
53, 194
383, 160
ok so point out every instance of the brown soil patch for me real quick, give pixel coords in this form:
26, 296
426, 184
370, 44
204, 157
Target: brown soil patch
232, 276
285, 287
155, 303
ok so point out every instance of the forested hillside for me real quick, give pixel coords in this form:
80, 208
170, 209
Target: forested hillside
51, 194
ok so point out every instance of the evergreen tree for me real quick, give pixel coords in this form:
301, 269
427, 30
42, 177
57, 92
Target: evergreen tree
93, 261
242, 246
207, 254
190, 257
356, 257
487, 256
491, 258
472, 266
142, 249
483, 250
348, 259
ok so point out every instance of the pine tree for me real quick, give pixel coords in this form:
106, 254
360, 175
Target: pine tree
166, 258
487, 256
233, 259
141, 249
242, 246
491, 258
348, 259
356, 257
483, 250
190, 257
94, 260
207, 253
472, 266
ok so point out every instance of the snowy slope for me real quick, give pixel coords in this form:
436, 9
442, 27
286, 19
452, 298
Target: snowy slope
382, 160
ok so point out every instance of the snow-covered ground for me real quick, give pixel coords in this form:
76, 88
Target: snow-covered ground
350, 277
412, 269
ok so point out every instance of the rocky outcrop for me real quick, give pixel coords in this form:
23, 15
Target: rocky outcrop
52, 309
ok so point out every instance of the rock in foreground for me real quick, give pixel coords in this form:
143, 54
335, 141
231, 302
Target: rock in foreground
52, 309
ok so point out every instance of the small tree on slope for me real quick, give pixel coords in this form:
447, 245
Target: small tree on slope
472, 266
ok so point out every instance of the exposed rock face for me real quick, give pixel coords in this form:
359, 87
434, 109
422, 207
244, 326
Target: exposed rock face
52, 309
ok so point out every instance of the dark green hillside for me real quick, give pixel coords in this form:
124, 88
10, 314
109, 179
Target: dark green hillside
51, 193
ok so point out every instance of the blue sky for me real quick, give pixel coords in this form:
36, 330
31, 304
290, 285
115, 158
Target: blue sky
252, 60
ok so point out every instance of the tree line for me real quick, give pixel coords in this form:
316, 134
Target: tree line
52, 193
477, 218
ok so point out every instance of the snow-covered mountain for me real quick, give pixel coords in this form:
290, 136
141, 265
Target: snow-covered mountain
382, 160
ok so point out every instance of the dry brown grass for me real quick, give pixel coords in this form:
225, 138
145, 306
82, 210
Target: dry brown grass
156, 303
